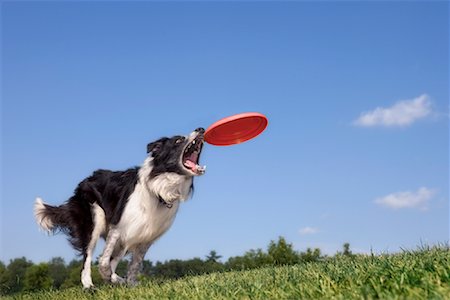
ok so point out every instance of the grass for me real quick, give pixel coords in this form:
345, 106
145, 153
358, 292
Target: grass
422, 274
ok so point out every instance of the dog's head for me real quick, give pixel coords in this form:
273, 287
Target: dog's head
179, 154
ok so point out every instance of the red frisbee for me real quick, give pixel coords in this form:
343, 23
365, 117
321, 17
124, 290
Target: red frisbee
236, 129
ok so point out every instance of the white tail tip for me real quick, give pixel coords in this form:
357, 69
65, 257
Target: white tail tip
41, 217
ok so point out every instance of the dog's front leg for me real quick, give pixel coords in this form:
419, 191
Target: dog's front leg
135, 265
104, 264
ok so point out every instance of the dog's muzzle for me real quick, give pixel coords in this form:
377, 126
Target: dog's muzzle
191, 154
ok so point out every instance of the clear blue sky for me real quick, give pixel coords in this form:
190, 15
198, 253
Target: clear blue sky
357, 147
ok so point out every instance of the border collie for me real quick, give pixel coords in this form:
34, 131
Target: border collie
129, 209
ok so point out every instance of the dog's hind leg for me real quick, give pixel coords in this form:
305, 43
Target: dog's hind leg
105, 260
136, 262
115, 259
98, 216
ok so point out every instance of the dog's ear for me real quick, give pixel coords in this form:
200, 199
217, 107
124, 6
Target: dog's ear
156, 146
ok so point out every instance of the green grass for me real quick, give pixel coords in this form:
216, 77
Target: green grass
423, 274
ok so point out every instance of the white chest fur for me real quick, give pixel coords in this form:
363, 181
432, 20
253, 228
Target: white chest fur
145, 219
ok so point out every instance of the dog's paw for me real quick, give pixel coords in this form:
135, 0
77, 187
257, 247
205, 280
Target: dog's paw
132, 282
105, 271
117, 279
86, 279
88, 286
91, 290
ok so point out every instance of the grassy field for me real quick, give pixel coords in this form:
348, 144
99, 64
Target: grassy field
423, 274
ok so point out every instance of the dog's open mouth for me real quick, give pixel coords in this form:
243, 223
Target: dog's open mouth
191, 156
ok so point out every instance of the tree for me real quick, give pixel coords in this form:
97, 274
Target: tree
250, 260
282, 253
147, 267
169, 269
3, 279
121, 269
347, 251
73, 274
213, 256
58, 271
15, 274
176, 268
37, 277
196, 266
2, 268
310, 255
212, 263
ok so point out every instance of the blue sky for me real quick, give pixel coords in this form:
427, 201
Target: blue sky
356, 94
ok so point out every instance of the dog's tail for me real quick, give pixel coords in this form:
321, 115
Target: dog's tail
49, 218
72, 218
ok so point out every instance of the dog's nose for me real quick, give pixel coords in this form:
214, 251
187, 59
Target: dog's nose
200, 130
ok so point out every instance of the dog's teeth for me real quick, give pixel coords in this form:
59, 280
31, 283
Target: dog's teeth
201, 170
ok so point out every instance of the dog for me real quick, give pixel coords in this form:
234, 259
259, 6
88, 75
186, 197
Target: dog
130, 209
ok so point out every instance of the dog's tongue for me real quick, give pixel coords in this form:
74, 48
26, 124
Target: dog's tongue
190, 164
194, 167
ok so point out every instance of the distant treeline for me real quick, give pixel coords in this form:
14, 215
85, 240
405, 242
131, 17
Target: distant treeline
23, 275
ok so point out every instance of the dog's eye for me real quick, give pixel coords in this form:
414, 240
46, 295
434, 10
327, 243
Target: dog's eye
179, 140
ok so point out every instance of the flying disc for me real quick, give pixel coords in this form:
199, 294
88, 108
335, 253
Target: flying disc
236, 129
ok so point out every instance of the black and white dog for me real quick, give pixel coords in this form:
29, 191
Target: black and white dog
130, 209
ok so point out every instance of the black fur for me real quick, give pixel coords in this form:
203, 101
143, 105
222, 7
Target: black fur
166, 155
110, 190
